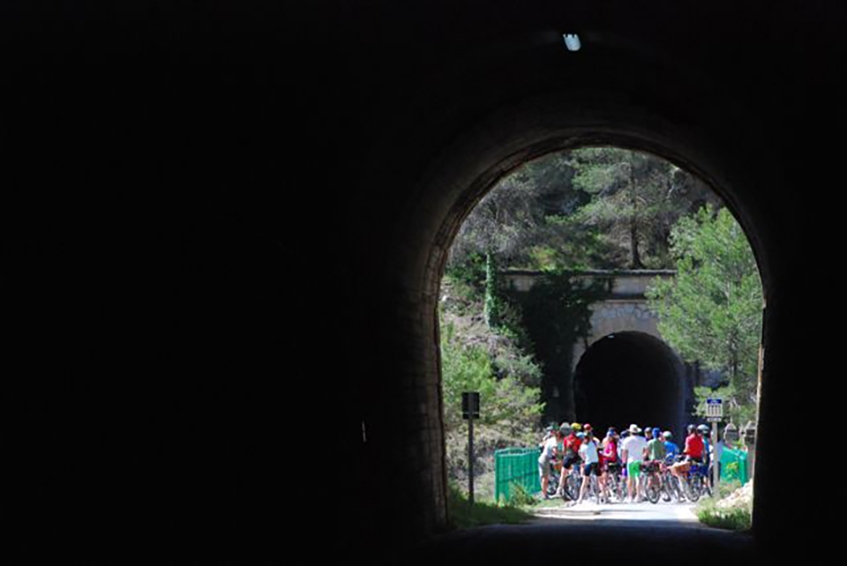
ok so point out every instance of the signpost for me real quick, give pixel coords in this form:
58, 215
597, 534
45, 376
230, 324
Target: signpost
714, 414
470, 411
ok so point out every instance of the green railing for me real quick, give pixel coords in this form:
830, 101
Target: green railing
734, 465
515, 466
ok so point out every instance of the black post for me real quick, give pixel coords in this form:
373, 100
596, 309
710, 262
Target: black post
470, 459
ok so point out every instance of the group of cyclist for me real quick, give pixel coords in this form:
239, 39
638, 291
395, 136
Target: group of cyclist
627, 453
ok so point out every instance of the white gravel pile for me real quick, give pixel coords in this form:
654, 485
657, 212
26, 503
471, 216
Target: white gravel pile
740, 498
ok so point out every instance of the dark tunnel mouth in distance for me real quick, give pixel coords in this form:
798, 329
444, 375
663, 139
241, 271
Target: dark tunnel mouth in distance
629, 378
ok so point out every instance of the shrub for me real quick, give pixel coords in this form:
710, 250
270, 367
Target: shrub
463, 515
734, 519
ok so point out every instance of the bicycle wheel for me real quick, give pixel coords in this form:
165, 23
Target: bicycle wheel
694, 485
667, 490
572, 485
653, 491
675, 488
615, 487
552, 485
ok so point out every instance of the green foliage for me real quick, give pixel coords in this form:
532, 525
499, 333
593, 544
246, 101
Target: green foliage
493, 308
738, 518
476, 358
635, 199
712, 311
520, 497
728, 519
593, 208
464, 516
556, 312
469, 274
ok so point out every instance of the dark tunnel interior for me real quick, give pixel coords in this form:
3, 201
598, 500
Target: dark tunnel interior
187, 185
626, 378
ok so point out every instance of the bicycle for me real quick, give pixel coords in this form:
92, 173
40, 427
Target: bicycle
653, 481
573, 481
615, 485
670, 484
594, 487
695, 481
553, 476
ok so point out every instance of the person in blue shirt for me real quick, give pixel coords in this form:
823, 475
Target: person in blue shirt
671, 449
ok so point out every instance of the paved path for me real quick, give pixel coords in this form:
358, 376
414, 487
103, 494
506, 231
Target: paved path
617, 533
677, 514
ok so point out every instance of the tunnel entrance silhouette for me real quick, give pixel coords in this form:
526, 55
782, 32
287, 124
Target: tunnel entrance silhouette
630, 377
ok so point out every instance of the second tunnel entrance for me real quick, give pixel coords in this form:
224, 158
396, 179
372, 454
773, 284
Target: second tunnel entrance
630, 377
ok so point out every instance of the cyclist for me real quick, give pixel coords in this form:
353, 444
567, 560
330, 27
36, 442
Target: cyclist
693, 452
656, 451
654, 456
633, 455
624, 435
707, 445
609, 447
671, 449
609, 458
591, 461
548, 432
571, 445
549, 449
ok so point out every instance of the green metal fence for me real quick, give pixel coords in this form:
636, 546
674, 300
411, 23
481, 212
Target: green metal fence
515, 466
734, 465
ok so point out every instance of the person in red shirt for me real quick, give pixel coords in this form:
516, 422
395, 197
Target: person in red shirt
694, 450
571, 446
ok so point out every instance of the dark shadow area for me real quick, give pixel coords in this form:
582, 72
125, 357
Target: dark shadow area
160, 160
626, 378
592, 543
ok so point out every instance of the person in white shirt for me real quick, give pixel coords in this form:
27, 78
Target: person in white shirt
591, 462
632, 456
549, 448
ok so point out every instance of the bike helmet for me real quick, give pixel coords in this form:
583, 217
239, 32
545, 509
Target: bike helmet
587, 427
657, 432
576, 426
580, 435
667, 434
611, 431
703, 428
565, 429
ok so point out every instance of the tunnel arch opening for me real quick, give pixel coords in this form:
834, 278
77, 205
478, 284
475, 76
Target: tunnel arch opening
630, 377
539, 127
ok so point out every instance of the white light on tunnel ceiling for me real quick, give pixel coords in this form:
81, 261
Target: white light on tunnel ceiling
572, 41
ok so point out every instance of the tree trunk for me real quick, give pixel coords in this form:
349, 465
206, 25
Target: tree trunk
492, 306
635, 260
